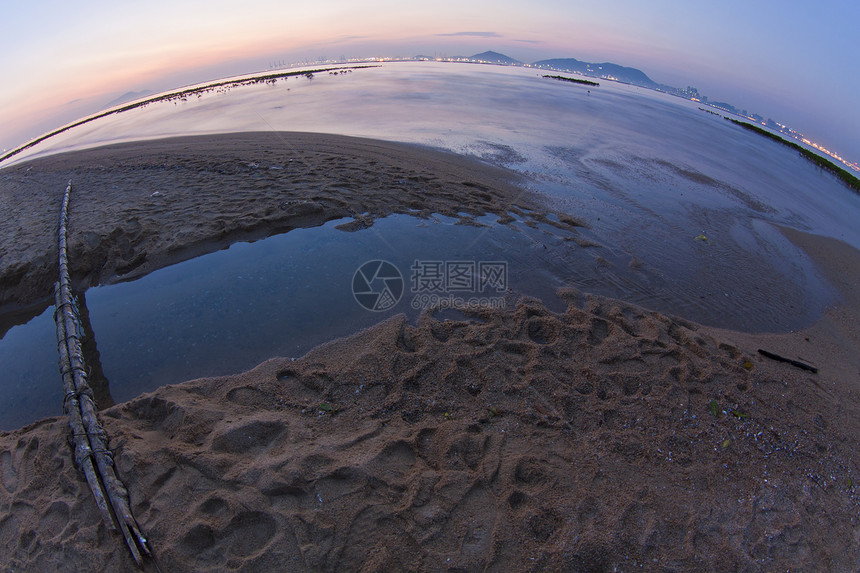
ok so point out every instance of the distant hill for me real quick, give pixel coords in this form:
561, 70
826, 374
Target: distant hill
494, 58
127, 97
604, 70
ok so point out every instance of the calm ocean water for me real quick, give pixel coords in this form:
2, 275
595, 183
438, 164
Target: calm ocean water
650, 173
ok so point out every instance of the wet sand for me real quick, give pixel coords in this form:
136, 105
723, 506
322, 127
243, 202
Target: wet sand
607, 436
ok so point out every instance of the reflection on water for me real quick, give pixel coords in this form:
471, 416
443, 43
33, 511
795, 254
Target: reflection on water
225, 312
30, 377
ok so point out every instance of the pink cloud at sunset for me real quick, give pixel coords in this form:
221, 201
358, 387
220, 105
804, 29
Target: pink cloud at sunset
53, 53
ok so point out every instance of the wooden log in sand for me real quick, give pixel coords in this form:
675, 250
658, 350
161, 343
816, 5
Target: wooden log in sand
795, 363
91, 452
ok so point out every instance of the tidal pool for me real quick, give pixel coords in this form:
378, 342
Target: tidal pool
227, 311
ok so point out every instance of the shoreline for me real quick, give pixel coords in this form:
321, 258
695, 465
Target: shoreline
175, 94
833, 340
133, 204
603, 436
145, 205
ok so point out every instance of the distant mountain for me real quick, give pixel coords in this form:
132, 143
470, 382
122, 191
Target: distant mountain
494, 58
127, 97
605, 70
611, 71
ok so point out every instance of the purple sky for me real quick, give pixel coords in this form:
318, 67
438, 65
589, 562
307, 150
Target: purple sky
794, 61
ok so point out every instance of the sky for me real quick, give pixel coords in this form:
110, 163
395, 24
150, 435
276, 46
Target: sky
795, 61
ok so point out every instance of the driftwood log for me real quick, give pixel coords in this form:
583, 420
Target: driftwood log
795, 363
90, 441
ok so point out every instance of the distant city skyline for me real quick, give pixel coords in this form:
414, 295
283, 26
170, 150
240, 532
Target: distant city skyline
792, 61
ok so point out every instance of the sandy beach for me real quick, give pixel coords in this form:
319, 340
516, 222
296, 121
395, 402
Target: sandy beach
606, 437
